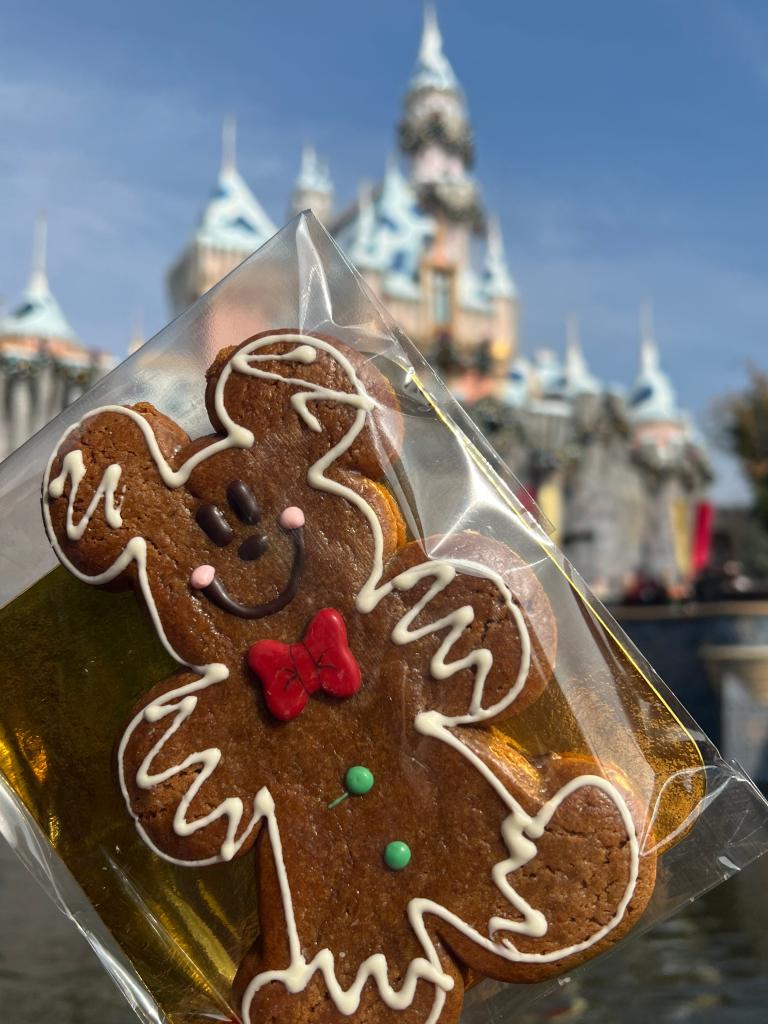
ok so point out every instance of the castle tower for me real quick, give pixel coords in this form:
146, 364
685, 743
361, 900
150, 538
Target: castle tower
435, 134
652, 402
362, 246
502, 297
38, 316
43, 366
232, 226
138, 338
410, 237
578, 380
673, 472
471, 310
313, 189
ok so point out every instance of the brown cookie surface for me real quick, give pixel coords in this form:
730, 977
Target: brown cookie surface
312, 640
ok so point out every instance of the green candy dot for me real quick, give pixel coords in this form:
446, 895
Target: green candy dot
359, 780
397, 855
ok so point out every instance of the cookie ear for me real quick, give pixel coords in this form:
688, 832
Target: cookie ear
310, 395
104, 489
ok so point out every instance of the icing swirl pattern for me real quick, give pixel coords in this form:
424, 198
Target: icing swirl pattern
520, 829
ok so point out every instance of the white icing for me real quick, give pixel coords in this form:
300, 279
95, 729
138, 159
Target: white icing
73, 468
519, 829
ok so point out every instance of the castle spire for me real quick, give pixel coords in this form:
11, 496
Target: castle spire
229, 144
309, 165
649, 350
572, 338
431, 49
579, 380
652, 398
498, 281
361, 251
313, 189
233, 224
138, 338
436, 134
393, 183
39, 314
433, 69
313, 172
38, 280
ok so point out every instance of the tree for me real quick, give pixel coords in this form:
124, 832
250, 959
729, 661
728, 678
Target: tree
745, 429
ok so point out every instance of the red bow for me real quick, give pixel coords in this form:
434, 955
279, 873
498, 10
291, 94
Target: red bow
291, 673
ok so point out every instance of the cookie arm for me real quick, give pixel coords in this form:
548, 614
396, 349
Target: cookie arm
472, 624
183, 806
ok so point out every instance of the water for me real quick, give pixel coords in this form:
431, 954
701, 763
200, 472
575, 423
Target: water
706, 966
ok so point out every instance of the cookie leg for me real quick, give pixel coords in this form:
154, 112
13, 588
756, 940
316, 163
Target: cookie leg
274, 1004
261, 987
588, 881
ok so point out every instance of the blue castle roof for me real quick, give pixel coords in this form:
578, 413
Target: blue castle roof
497, 280
433, 69
314, 175
38, 315
577, 378
233, 218
652, 398
388, 232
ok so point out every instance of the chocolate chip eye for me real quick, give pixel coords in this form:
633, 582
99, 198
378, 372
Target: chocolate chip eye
243, 502
211, 519
252, 548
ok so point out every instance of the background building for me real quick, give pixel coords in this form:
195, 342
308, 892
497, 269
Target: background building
619, 476
233, 224
422, 240
43, 365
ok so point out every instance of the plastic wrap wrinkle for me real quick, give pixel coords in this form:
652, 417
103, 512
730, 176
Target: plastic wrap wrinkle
32, 847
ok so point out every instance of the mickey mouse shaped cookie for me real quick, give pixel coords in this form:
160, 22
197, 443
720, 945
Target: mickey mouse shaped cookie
332, 715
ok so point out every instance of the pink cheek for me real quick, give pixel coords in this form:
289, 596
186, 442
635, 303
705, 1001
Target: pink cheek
292, 518
202, 577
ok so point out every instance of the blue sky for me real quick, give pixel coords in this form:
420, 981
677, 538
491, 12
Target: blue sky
622, 144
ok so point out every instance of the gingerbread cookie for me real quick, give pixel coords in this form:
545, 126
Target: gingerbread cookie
336, 695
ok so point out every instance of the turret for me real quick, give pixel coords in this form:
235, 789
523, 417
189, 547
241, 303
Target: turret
43, 366
231, 227
313, 189
435, 132
412, 238
498, 281
38, 315
138, 338
501, 294
577, 377
652, 399
362, 248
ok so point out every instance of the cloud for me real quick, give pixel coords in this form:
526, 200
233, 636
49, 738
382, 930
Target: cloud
601, 256
123, 175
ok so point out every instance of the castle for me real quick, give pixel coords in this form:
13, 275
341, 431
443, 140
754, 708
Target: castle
619, 478
43, 365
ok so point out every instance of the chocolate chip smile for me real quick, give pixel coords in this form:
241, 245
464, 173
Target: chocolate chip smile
216, 592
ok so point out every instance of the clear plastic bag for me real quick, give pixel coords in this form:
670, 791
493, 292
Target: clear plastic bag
78, 659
